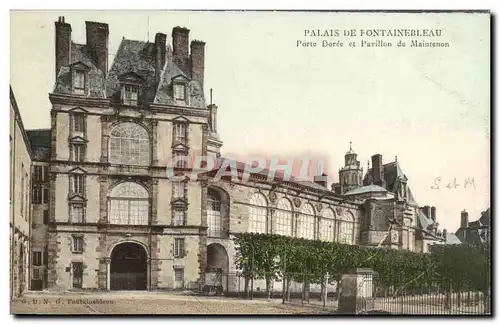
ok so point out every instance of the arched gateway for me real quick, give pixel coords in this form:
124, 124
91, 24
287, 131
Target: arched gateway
128, 268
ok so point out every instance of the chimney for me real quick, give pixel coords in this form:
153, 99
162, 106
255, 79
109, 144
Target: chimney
322, 180
378, 170
212, 108
198, 61
433, 214
464, 222
160, 50
63, 44
180, 37
97, 44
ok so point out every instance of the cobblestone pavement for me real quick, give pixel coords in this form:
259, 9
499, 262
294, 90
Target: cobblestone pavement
148, 303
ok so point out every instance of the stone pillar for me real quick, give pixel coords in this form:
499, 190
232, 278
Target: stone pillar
104, 140
154, 202
357, 291
154, 142
103, 201
103, 273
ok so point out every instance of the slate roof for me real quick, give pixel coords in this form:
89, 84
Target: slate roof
40, 142
366, 189
170, 71
392, 171
476, 231
424, 220
79, 53
452, 239
137, 57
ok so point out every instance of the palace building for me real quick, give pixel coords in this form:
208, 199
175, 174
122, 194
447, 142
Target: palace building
106, 216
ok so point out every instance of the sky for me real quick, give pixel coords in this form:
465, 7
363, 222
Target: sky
430, 107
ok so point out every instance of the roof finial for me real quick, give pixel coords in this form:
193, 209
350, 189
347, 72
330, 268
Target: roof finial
350, 146
396, 158
368, 164
210, 95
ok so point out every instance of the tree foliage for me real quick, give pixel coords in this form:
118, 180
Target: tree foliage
270, 256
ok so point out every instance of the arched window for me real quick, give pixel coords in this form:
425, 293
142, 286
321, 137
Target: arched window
129, 144
128, 204
305, 226
258, 214
214, 218
283, 219
345, 226
327, 226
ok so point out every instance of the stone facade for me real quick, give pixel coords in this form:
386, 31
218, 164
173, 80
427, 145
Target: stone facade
157, 95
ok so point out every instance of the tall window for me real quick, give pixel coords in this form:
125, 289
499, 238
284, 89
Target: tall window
78, 123
23, 190
38, 173
179, 250
258, 214
180, 133
180, 162
45, 195
283, 219
180, 91
78, 184
77, 213
37, 194
77, 244
179, 216
327, 226
214, 217
345, 225
305, 226
129, 204
37, 258
78, 152
129, 144
79, 82
179, 190
130, 95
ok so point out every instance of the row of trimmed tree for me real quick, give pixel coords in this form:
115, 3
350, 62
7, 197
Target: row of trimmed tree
270, 257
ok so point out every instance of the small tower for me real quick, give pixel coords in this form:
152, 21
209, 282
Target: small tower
351, 175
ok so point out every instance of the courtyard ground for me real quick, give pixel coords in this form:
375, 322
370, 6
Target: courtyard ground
148, 303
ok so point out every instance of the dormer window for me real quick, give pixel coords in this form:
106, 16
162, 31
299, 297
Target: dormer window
79, 82
180, 91
79, 78
130, 93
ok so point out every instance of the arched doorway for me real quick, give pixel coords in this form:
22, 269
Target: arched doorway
128, 268
217, 266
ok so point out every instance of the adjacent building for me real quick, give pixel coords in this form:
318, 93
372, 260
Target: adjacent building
20, 207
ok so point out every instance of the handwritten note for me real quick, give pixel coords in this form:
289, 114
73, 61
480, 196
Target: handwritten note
466, 183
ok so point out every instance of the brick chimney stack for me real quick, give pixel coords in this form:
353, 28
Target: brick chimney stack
63, 44
433, 214
464, 221
378, 170
322, 180
160, 51
180, 40
198, 61
97, 44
